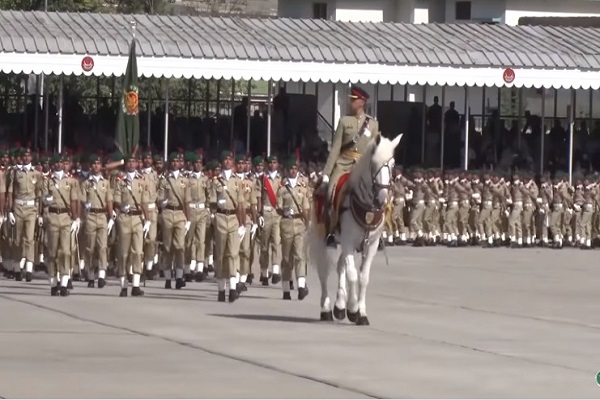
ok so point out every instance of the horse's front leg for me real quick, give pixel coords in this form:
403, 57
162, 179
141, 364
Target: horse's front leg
339, 309
352, 282
323, 270
363, 281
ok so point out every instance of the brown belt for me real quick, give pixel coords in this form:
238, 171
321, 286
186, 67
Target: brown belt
351, 154
56, 210
295, 216
174, 208
96, 210
133, 212
226, 212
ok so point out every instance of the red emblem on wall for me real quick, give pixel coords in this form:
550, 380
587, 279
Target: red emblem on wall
508, 75
87, 64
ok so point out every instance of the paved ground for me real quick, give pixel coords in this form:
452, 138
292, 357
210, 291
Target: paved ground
444, 323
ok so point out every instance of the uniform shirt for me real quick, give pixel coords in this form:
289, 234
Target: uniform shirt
59, 191
198, 187
290, 195
173, 189
130, 192
227, 194
347, 129
275, 180
24, 182
96, 192
3, 182
151, 178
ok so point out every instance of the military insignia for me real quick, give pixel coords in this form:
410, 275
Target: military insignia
369, 217
183, 185
131, 101
34, 181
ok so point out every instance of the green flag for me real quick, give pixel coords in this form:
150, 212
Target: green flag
128, 123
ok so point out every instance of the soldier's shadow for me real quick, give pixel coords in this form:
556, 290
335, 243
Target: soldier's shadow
268, 318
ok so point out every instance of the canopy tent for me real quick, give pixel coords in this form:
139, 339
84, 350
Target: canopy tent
301, 50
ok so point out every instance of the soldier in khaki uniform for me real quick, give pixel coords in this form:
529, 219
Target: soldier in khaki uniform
199, 218
62, 222
97, 199
250, 200
227, 201
131, 199
24, 212
270, 239
151, 179
351, 138
292, 200
174, 199
3, 190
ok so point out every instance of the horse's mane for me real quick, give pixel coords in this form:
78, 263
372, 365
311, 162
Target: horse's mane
361, 178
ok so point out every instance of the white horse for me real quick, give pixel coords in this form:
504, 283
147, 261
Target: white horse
361, 218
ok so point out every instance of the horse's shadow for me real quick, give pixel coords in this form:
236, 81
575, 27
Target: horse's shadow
269, 318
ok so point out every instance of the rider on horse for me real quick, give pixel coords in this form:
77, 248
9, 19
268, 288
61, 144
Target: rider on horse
353, 134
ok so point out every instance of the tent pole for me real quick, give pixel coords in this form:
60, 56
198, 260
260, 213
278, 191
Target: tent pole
571, 127
149, 130
269, 111
543, 130
423, 124
166, 151
442, 133
248, 112
231, 107
60, 114
467, 116
46, 119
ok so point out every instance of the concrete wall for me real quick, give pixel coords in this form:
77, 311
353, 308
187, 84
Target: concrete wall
549, 8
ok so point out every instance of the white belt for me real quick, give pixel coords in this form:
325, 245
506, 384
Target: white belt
518, 203
488, 202
421, 201
151, 206
268, 208
25, 202
454, 203
197, 206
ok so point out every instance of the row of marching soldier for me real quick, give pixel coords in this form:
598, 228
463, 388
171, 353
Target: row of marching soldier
87, 217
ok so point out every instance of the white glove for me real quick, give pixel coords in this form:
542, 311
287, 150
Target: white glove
40, 221
577, 207
114, 214
542, 211
187, 227
508, 201
146, 228
111, 224
507, 213
48, 199
261, 221
125, 209
212, 216
539, 200
325, 179
1, 220
11, 218
75, 226
476, 195
253, 229
442, 200
241, 231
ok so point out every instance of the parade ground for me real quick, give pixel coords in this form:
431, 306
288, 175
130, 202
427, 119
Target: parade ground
455, 323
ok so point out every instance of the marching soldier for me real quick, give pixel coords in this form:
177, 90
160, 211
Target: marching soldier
353, 134
151, 181
270, 239
23, 215
62, 222
131, 199
227, 201
250, 201
199, 218
292, 200
174, 199
97, 199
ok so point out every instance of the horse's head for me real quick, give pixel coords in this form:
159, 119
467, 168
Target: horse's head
382, 164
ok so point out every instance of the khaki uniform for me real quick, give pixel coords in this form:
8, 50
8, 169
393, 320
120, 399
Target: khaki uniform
292, 199
514, 219
4, 232
59, 194
399, 193
226, 195
173, 196
151, 180
250, 200
199, 217
347, 147
96, 195
270, 238
24, 189
130, 196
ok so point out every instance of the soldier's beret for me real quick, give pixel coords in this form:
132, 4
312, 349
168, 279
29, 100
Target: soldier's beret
44, 160
55, 159
92, 158
212, 164
271, 159
225, 154
157, 158
290, 162
240, 158
192, 157
146, 153
173, 156
129, 156
3, 153
188, 156
358, 93
116, 156
257, 160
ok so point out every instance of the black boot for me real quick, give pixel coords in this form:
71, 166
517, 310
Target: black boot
221, 296
330, 238
302, 293
136, 291
91, 283
123, 292
64, 292
101, 283
233, 295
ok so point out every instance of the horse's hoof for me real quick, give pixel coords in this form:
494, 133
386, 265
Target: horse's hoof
339, 313
362, 321
352, 316
326, 316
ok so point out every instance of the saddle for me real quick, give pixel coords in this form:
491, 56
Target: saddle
339, 194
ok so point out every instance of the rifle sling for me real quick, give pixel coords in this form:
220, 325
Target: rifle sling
227, 191
360, 132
